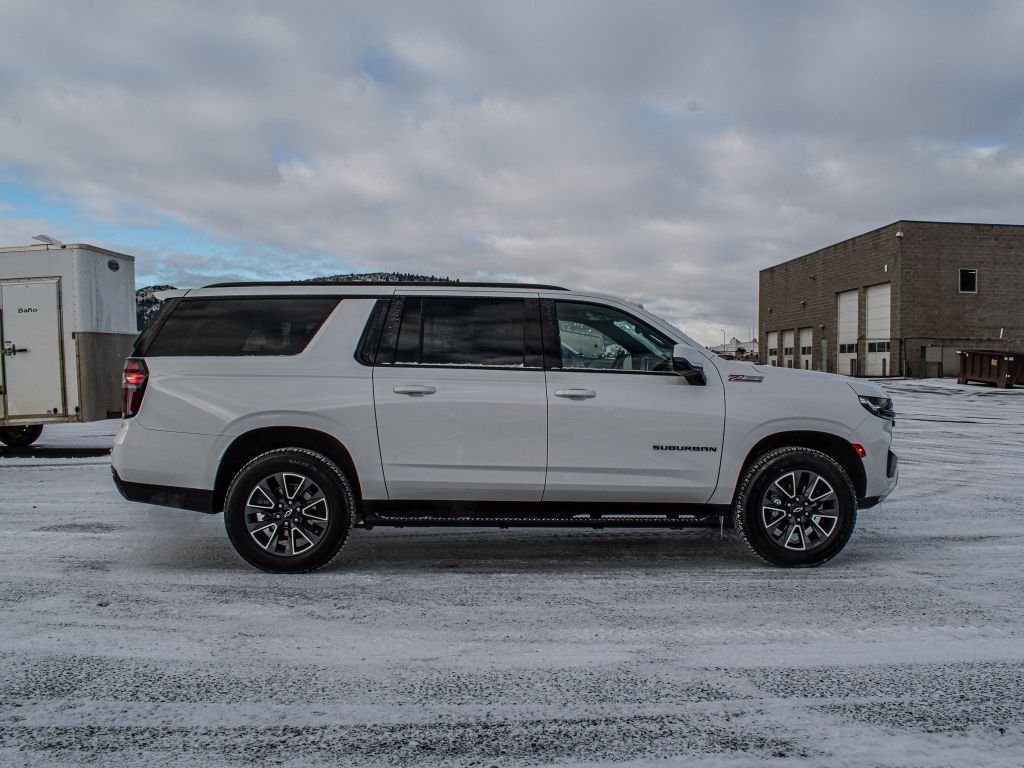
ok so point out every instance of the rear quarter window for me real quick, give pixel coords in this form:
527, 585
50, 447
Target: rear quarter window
238, 327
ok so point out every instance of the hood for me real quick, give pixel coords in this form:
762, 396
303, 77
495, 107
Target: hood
866, 388
777, 375
790, 373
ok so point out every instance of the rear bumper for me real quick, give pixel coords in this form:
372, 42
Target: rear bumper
162, 458
195, 499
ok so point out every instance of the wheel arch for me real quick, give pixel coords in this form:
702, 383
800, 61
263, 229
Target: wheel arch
837, 448
251, 444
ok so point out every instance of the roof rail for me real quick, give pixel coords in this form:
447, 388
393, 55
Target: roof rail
392, 283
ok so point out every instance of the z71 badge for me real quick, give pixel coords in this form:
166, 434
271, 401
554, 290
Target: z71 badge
746, 377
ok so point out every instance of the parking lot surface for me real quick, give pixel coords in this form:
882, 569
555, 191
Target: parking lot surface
131, 634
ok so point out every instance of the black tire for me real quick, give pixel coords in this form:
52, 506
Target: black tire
795, 530
282, 525
20, 437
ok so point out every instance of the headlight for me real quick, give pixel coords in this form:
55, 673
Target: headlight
879, 406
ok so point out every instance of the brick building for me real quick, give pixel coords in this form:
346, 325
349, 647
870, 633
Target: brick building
899, 300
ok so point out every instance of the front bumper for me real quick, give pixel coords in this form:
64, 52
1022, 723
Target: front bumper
892, 476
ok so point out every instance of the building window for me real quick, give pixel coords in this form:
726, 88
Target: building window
805, 350
968, 281
878, 346
847, 349
773, 352
787, 350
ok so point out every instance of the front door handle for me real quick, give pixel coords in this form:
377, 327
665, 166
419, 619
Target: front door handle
576, 394
416, 390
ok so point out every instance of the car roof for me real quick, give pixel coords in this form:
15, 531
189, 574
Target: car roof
390, 284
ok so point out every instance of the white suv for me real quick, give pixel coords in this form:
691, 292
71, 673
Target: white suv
303, 409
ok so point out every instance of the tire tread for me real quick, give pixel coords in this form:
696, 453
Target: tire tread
345, 485
754, 470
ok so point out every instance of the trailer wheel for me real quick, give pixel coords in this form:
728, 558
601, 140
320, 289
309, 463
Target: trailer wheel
19, 437
796, 507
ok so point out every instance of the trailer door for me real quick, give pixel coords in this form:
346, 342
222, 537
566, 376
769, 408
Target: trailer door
33, 370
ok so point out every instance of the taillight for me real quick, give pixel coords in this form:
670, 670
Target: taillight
133, 385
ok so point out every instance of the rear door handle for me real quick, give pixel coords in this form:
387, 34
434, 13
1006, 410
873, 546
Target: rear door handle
416, 390
576, 394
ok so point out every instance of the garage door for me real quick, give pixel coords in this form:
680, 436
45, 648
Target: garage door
876, 330
846, 312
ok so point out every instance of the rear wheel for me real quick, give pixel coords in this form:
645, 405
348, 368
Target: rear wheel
796, 507
19, 437
289, 511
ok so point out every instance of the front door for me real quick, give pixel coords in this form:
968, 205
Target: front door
33, 379
459, 395
621, 425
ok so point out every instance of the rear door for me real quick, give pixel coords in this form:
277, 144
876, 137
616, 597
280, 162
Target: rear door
32, 364
622, 426
460, 398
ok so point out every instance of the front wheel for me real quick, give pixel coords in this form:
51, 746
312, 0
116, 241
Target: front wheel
20, 437
796, 507
289, 511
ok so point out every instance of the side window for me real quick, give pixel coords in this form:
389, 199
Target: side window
235, 327
472, 332
596, 337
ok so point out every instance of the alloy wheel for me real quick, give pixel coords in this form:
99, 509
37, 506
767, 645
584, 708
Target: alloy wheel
800, 510
287, 514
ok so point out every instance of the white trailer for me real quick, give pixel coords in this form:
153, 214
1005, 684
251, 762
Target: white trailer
67, 322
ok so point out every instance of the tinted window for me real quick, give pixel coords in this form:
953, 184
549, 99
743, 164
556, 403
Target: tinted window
369, 342
235, 327
598, 337
150, 331
462, 331
408, 347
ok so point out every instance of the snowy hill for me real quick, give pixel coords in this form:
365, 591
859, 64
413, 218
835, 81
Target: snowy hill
147, 304
381, 277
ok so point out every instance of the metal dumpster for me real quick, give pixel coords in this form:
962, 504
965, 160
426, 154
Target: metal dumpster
1004, 369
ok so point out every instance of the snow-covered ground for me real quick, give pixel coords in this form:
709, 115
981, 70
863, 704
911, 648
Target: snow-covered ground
133, 635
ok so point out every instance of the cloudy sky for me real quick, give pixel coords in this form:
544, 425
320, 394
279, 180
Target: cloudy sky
664, 151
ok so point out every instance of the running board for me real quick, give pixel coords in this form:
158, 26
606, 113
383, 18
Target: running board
541, 515
542, 522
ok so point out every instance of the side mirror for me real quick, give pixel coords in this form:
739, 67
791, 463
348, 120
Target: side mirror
688, 364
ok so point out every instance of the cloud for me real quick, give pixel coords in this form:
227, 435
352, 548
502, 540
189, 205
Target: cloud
662, 151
